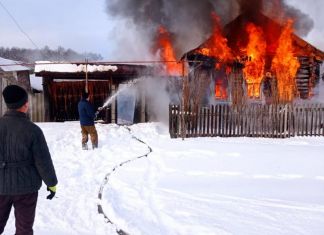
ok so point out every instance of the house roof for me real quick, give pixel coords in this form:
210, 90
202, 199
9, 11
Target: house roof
235, 32
237, 37
11, 65
96, 70
58, 67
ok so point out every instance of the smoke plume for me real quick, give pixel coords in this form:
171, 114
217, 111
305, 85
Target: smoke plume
189, 21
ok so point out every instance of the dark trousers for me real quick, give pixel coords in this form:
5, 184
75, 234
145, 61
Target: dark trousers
25, 207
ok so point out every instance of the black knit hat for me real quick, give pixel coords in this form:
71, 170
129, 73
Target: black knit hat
14, 96
85, 95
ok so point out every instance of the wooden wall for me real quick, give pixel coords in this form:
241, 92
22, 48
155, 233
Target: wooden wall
36, 100
37, 107
63, 98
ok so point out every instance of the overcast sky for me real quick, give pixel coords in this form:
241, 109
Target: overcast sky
84, 26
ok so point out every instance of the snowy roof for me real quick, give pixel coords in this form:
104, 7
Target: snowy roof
11, 65
47, 66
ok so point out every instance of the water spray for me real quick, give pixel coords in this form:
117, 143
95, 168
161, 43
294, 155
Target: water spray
113, 97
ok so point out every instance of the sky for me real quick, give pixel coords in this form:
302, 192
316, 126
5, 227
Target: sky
84, 25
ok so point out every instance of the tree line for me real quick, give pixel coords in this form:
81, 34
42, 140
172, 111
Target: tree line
46, 54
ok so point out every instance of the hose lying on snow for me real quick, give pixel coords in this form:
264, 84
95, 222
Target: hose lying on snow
106, 179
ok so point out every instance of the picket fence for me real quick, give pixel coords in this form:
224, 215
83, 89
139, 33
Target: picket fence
254, 120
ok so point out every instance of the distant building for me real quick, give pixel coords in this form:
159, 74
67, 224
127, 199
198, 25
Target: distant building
12, 72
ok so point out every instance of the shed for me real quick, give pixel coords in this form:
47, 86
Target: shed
63, 84
13, 72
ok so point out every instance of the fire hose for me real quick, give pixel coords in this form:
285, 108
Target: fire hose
100, 109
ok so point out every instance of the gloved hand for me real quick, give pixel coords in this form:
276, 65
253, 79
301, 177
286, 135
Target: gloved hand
98, 111
52, 191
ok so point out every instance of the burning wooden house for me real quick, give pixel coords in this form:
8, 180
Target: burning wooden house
63, 84
255, 58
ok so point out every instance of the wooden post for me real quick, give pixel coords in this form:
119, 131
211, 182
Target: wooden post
183, 100
296, 115
212, 113
286, 123
47, 82
217, 120
208, 122
86, 87
317, 120
321, 120
113, 105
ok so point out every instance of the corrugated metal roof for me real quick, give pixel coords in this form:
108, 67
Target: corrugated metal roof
11, 65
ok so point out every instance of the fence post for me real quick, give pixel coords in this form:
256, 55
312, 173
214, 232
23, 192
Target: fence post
317, 123
285, 127
212, 130
321, 119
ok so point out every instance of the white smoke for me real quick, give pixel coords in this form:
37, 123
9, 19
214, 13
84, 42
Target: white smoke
158, 92
131, 42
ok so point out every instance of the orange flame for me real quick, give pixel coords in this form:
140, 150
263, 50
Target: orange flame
167, 54
285, 64
254, 67
220, 90
216, 46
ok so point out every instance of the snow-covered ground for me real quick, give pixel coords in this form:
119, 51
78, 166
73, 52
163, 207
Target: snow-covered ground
243, 186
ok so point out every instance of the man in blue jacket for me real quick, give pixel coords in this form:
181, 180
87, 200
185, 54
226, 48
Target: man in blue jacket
25, 162
87, 116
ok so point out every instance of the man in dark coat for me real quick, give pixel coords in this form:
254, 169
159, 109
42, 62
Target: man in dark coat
87, 116
25, 162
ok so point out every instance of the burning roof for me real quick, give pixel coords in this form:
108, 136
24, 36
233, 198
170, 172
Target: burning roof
235, 35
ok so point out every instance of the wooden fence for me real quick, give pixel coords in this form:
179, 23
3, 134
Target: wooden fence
37, 107
256, 120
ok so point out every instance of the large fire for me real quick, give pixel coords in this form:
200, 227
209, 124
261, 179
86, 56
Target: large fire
216, 46
268, 48
167, 54
220, 89
285, 65
254, 66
